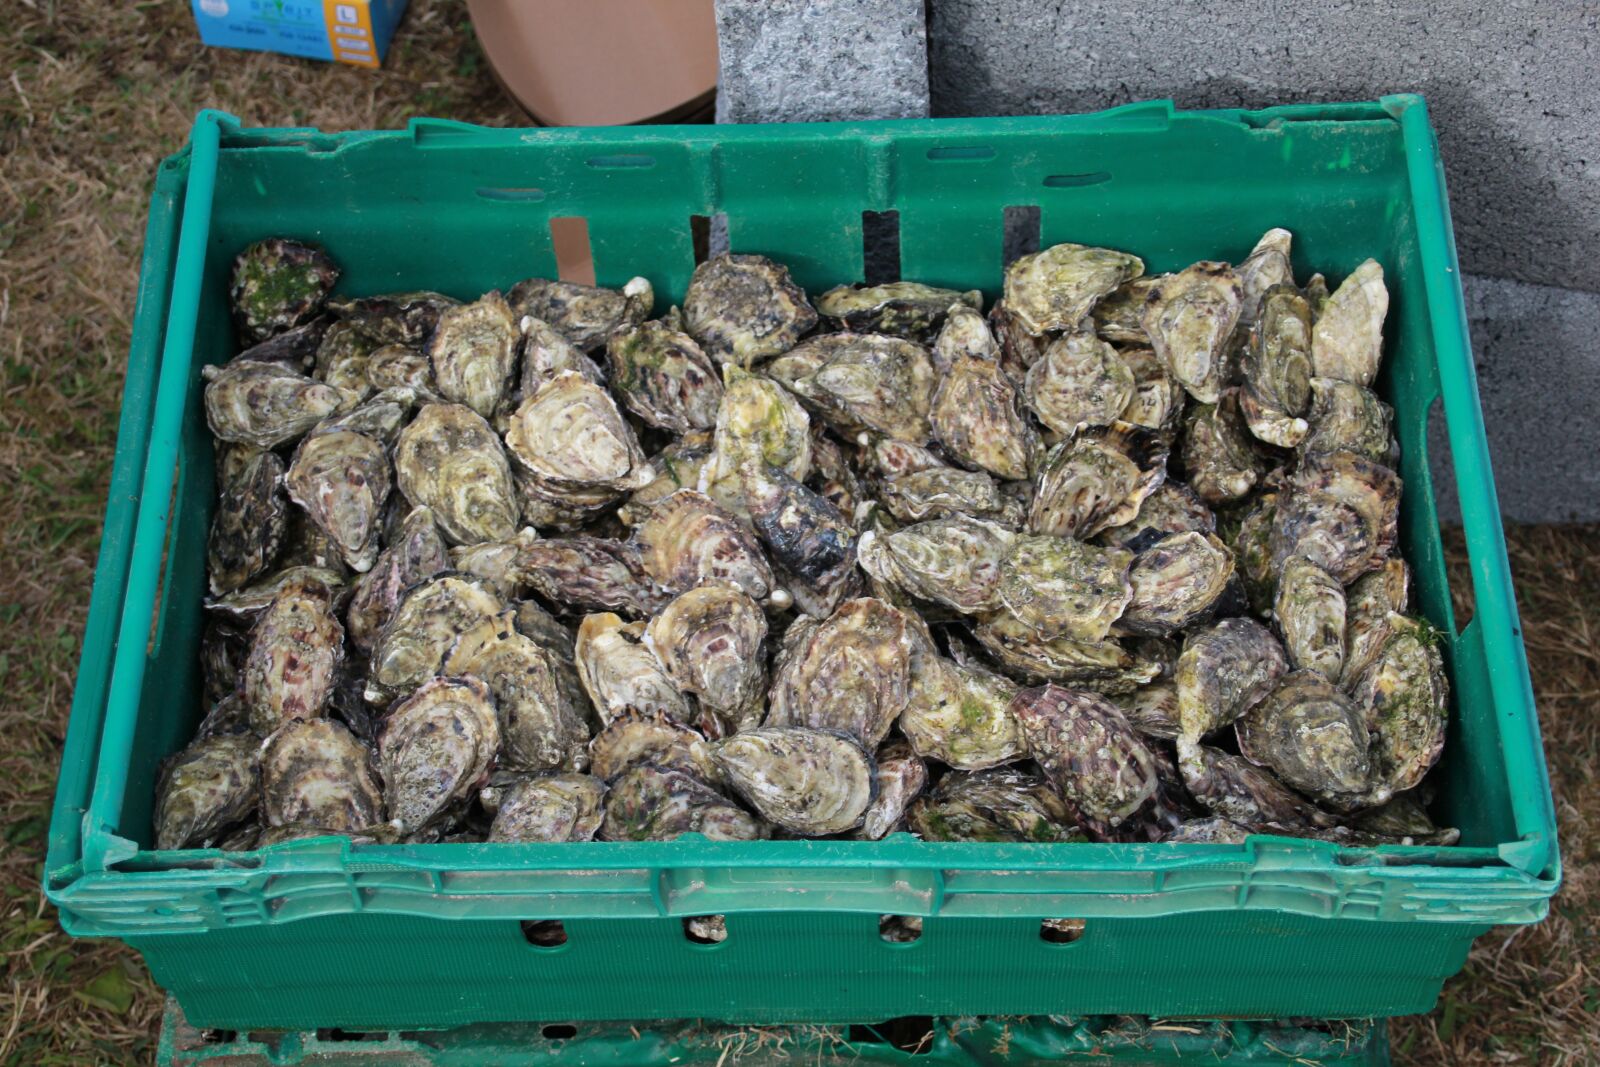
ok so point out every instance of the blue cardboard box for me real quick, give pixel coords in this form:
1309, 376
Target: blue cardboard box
345, 31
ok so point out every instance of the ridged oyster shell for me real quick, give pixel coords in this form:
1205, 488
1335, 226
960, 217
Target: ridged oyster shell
1055, 289
584, 314
473, 351
621, 673
810, 782
664, 378
710, 640
904, 309
296, 648
1189, 318
267, 404
249, 524
851, 674
651, 804
417, 552
558, 807
744, 309
1090, 753
422, 630
435, 747
449, 459
205, 789
316, 773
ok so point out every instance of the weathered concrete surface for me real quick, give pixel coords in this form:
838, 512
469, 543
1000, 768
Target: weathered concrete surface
821, 60
1538, 354
1512, 86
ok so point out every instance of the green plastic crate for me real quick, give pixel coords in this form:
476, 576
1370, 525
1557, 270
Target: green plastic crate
324, 934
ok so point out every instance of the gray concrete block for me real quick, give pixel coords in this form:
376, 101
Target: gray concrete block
821, 60
1537, 350
1512, 88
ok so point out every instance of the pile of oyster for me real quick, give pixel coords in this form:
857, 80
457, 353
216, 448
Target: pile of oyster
1115, 561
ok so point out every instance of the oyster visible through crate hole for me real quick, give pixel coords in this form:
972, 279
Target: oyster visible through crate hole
1061, 587
1231, 787
1223, 670
1277, 369
1314, 739
960, 715
1211, 831
867, 382
296, 648
1090, 753
546, 353
559, 807
688, 539
416, 553
759, 421
1346, 417
498, 564
851, 674
267, 404
904, 309
977, 416
277, 284
402, 367
953, 561
541, 727
1310, 609
965, 333
813, 547
639, 739
810, 782
1171, 508
205, 789
1347, 340
584, 314
316, 773
901, 777
1119, 315
1102, 666
422, 629
1406, 704
395, 318
1097, 480
620, 672
1079, 381
744, 309
343, 358
570, 433
435, 748
1371, 603
652, 804
473, 351
1055, 289
1153, 709
589, 574
1001, 804
1177, 582
249, 524
664, 378
1189, 318
1218, 454
449, 459
711, 642
1157, 400
1342, 512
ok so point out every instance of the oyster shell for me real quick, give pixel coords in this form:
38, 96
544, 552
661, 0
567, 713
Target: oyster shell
664, 378
904, 309
1231, 787
546, 353
1346, 417
1061, 587
1342, 512
1210, 831
344, 357
677, 466
813, 547
342, 479
687, 539
1020, 348
964, 334
850, 674
435, 748
277, 284
559, 807
473, 351
1310, 610
652, 804
865, 381
1218, 454
1223, 670
901, 777
1090, 753
1002, 804
1079, 381
638, 739
1055, 289
744, 309
1277, 369
710, 640
450, 460
395, 318
1096, 480
759, 422
1313, 738
570, 433
1405, 700
498, 564
416, 553
1153, 709
937, 492
1266, 266
621, 673
584, 314
1119, 315
953, 561
422, 629
267, 404
316, 773
296, 648
1103, 666
244, 606
1189, 318
1347, 340
537, 623
959, 715
305, 545
1371, 604
977, 416
295, 349
1157, 400
1251, 542
248, 527
205, 789
402, 367
1177, 582
589, 574
1316, 293
1171, 508
810, 782
1405, 821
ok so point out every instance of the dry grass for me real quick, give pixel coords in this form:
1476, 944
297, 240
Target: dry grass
92, 95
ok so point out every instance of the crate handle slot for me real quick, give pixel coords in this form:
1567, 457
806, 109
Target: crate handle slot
511, 194
1074, 181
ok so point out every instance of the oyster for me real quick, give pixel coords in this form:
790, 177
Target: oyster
901, 776
1170, 508
1096, 480
342, 478
1055, 289
402, 367
677, 466
1061, 587
277, 284
1347, 340
1090, 753
1406, 703
305, 545
205, 789
1103, 666
651, 804
584, 314
1177, 582
1218, 454
940, 491
473, 351
1002, 804
1310, 610
498, 564
1372, 602
267, 404
953, 561
422, 629
1277, 369
1316, 293
1189, 317
1210, 831
1223, 670
296, 648
435, 748
1079, 381
537, 623
1342, 512
904, 309
810, 782
316, 773
1405, 821
245, 605
548, 507
1119, 315
744, 309
832, 476
540, 727
759, 422
1153, 709
1266, 266
964, 334
589, 574
1313, 738
1020, 348
1346, 417
851, 674
1251, 542
295, 349
959, 715
1157, 400
395, 318
450, 460
664, 378
638, 739
570, 433
227, 716
1231, 787
343, 359
546, 353
977, 416
620, 672
687, 539
869, 382
710, 641
813, 547
249, 524
417, 552
559, 807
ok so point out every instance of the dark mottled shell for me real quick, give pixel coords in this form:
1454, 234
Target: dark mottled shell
851, 674
205, 789
1218, 452
1097, 480
295, 349
278, 284
1119, 315
1153, 709
1313, 738
688, 538
744, 309
904, 309
316, 773
395, 318
416, 553
1171, 508
1177, 582
249, 524
558, 807
1342, 512
1346, 417
1189, 318
1055, 289
590, 574
244, 606
1405, 699
663, 377
295, 651
422, 629
343, 358
1087, 749
1223, 670
812, 545
1235, 789
810, 782
652, 804
435, 748
1404, 820
1002, 804
584, 314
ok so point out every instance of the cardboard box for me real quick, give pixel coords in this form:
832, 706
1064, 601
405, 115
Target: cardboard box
345, 31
